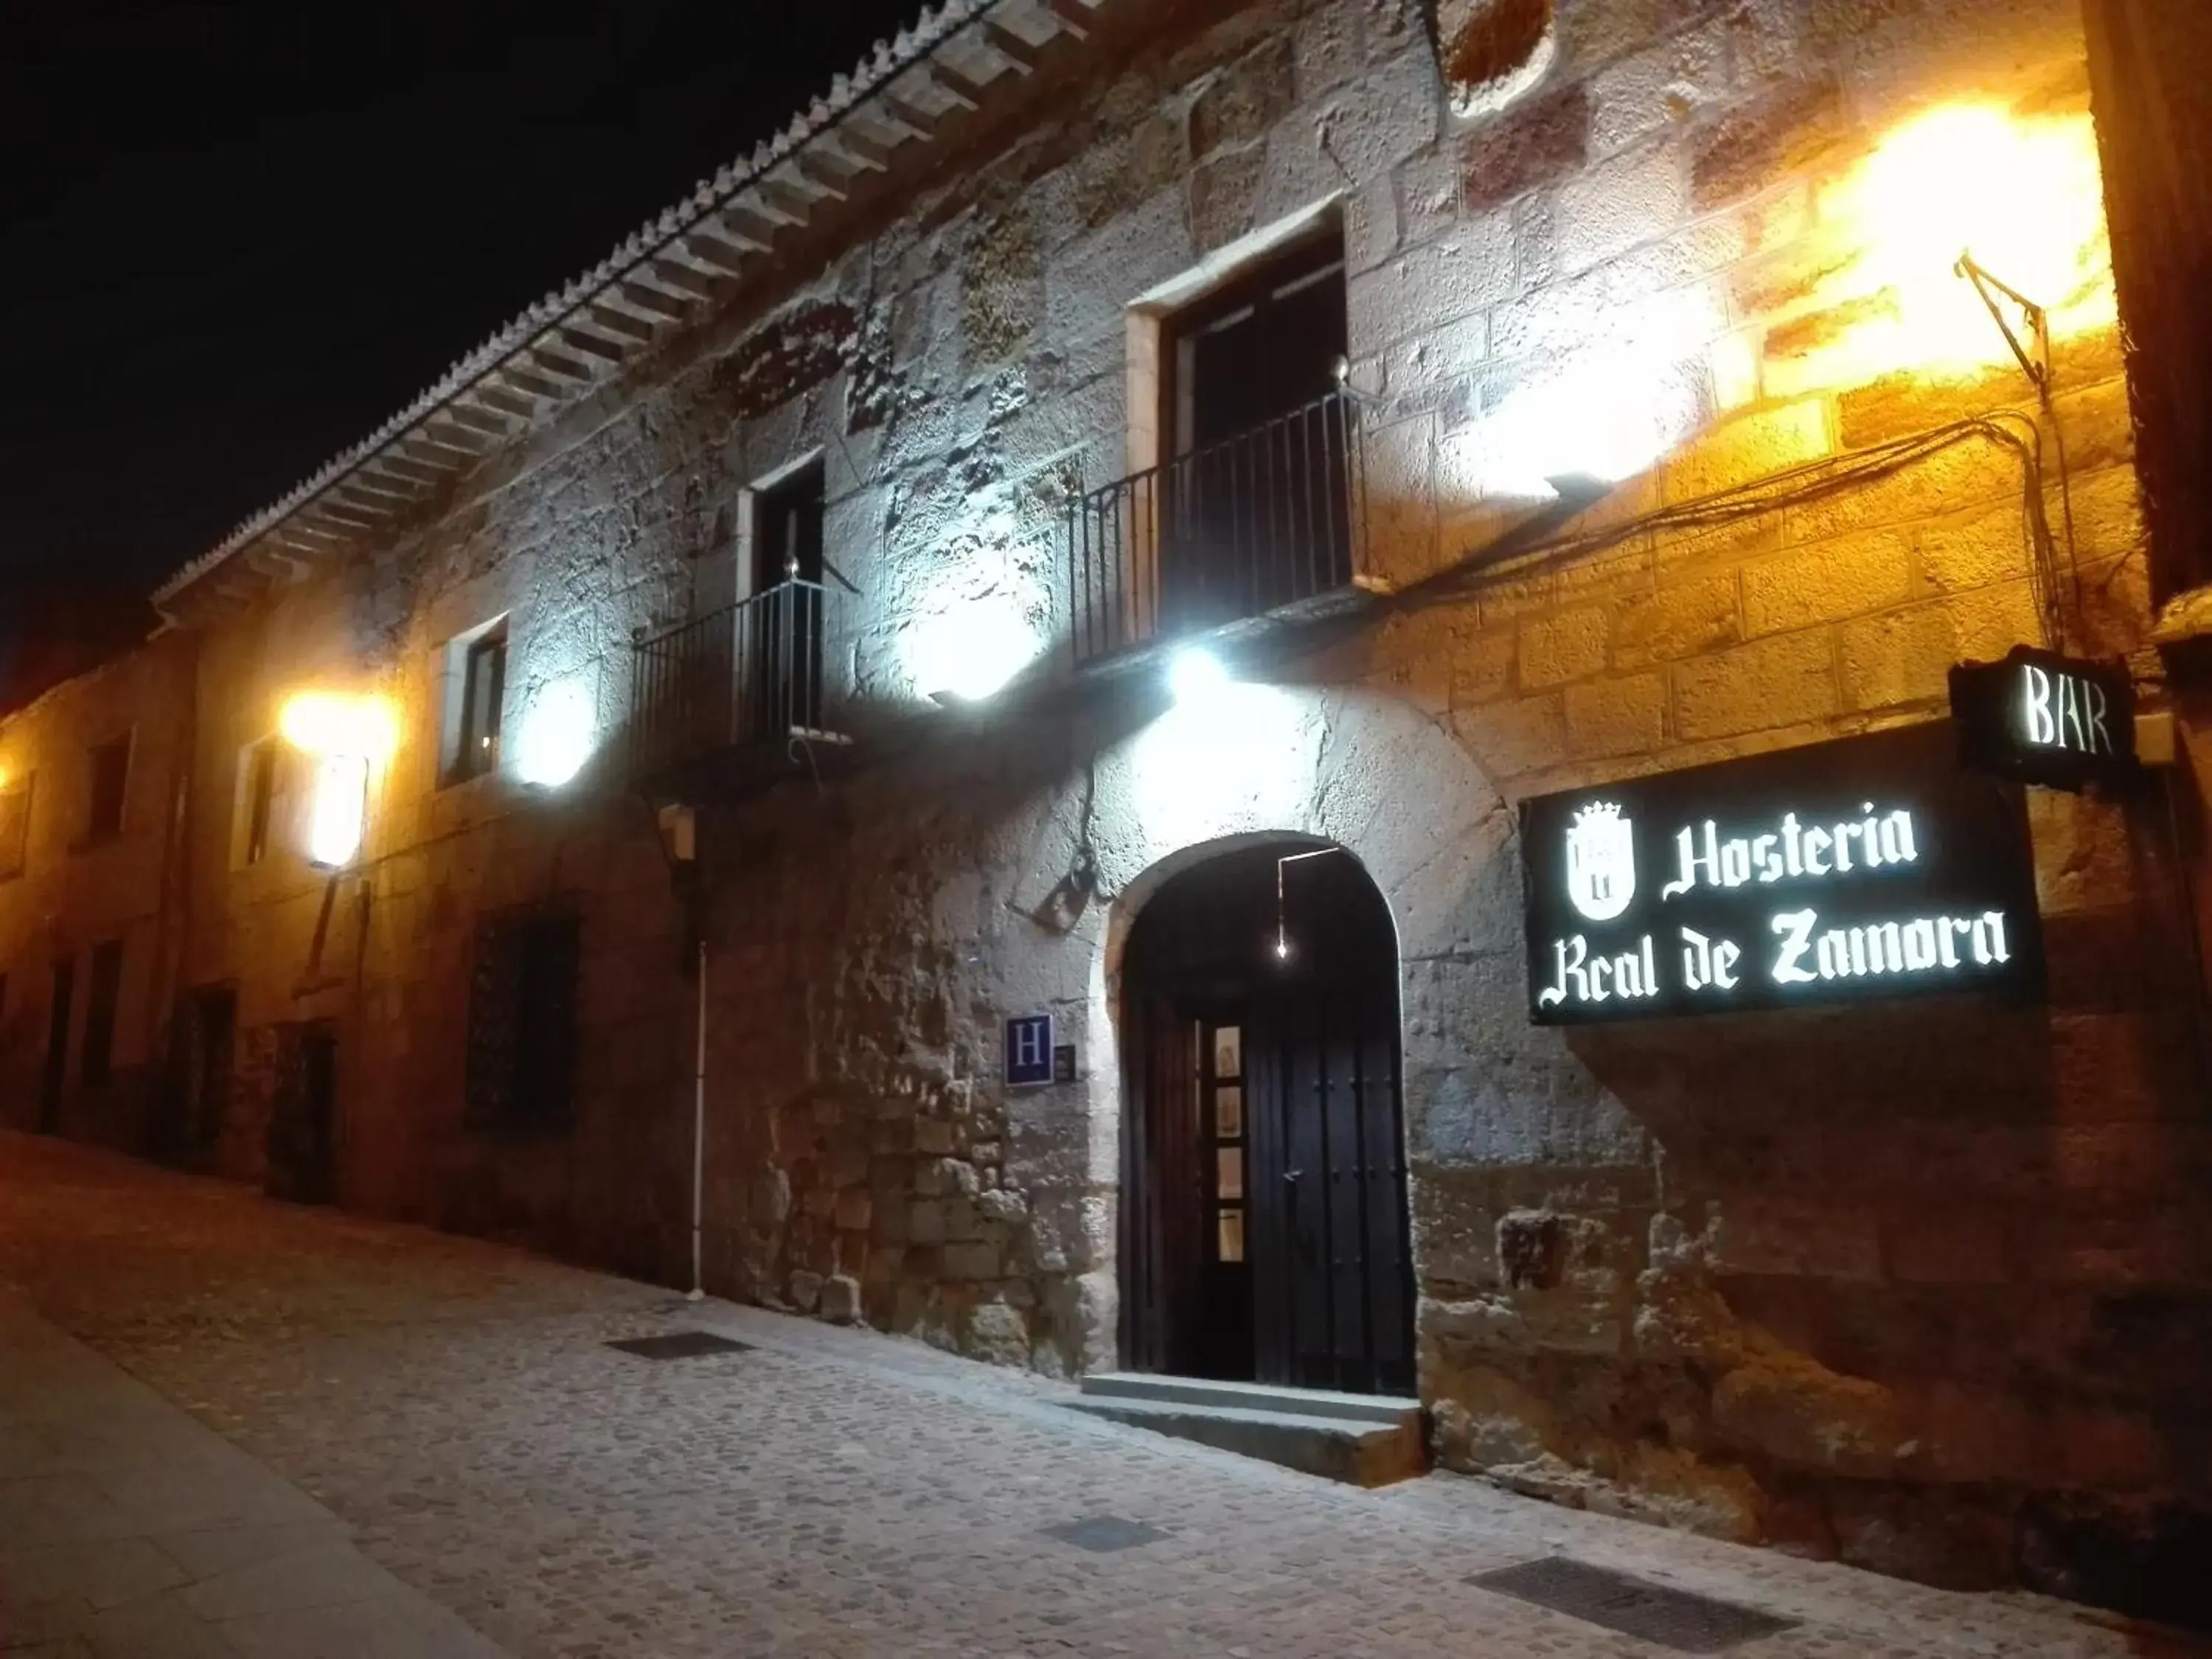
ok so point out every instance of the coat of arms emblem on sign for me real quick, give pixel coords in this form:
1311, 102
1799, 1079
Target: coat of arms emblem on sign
1600, 862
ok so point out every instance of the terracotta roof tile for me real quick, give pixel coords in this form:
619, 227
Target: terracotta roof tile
935, 26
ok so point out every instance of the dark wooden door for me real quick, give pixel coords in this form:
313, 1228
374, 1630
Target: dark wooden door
1163, 1210
57, 1034
302, 1144
1265, 1227
1333, 1299
202, 1037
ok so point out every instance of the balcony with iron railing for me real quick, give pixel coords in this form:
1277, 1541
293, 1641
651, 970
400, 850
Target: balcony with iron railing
733, 700
1268, 526
1260, 530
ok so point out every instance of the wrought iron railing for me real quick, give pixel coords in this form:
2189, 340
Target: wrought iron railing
749, 676
1265, 520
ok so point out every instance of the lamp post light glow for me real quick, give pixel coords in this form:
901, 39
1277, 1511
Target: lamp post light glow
339, 811
343, 735
2021, 193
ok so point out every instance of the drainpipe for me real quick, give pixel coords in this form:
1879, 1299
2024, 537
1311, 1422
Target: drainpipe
679, 845
173, 905
699, 1129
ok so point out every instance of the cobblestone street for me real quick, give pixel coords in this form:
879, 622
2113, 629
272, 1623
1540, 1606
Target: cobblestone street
828, 1492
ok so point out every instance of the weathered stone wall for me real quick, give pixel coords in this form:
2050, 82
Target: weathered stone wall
386, 949
1924, 1286
74, 893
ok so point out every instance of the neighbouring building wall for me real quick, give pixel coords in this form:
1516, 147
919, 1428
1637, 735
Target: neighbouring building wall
1923, 1286
73, 890
387, 949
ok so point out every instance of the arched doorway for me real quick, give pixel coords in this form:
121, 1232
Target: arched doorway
1264, 1217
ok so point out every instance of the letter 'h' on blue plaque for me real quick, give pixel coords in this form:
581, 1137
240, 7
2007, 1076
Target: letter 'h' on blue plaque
1028, 1049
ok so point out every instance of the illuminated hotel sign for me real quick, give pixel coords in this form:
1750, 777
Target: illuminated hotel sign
1867, 867
2045, 718
1029, 1050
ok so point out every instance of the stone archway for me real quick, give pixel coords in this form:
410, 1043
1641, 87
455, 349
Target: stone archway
1264, 1221
1351, 766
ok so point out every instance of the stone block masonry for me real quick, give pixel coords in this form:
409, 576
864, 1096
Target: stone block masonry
1911, 1284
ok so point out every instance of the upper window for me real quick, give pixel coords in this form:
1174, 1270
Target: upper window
111, 778
14, 826
475, 696
1262, 346
257, 800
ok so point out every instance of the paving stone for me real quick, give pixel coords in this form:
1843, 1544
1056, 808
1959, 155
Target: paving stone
835, 1492
99, 1574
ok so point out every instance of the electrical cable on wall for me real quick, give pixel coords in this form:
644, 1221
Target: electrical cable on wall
1795, 486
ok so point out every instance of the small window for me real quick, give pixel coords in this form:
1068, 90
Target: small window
257, 799
14, 826
1227, 1052
96, 1063
476, 696
1223, 1078
111, 778
522, 1021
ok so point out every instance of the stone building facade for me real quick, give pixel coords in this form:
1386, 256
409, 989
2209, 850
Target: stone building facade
1667, 434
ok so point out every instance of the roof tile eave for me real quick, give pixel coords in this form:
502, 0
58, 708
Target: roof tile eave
935, 25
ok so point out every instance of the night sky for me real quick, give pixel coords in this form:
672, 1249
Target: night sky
238, 237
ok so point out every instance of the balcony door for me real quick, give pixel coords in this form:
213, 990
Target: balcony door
780, 626
1257, 502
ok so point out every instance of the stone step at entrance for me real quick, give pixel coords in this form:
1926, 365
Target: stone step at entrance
1368, 1440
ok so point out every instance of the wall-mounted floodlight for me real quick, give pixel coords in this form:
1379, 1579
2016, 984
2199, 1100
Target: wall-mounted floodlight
339, 812
343, 735
1194, 675
2024, 191
557, 736
1578, 491
969, 653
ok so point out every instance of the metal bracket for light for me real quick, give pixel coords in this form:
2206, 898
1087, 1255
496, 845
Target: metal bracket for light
1989, 285
1339, 372
1282, 928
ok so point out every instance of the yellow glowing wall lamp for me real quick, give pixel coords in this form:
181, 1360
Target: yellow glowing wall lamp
344, 736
